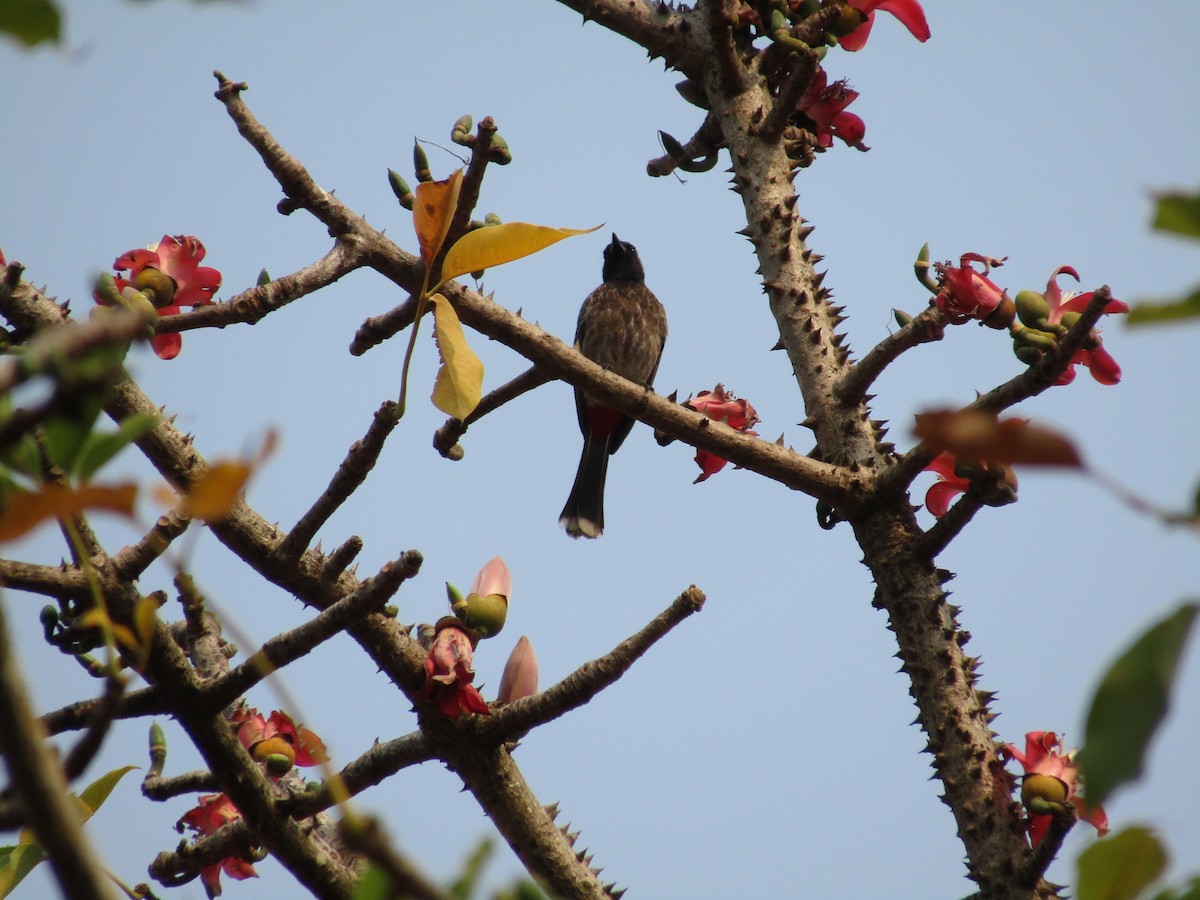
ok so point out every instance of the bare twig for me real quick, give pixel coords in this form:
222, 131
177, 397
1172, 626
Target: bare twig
160, 788
289, 646
145, 702
252, 305
929, 325
949, 526
352, 472
132, 561
88, 746
446, 438
589, 679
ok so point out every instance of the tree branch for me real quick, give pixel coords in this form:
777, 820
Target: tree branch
588, 680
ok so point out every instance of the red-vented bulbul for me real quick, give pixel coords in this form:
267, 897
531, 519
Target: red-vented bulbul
622, 327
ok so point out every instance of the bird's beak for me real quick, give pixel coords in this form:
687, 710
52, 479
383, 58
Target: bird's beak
616, 241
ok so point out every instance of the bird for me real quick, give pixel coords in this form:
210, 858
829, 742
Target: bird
622, 327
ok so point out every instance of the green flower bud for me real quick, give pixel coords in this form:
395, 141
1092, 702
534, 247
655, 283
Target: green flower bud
421, 163
921, 269
902, 318
483, 615
140, 304
264, 277
1032, 308
673, 147
158, 750
1027, 355
499, 152
1036, 338
847, 21
106, 287
461, 132
277, 764
401, 189
157, 285
1044, 794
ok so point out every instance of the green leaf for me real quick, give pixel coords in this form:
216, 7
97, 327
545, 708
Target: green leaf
464, 886
97, 792
100, 447
1167, 311
66, 432
1189, 891
459, 383
1119, 867
495, 245
373, 885
1131, 700
21, 861
31, 22
22, 453
1178, 212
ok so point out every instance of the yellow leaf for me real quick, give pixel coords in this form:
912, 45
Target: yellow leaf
212, 495
433, 211
23, 510
460, 379
98, 618
145, 616
495, 245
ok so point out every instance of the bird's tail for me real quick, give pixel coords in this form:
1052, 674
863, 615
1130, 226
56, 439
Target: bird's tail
583, 515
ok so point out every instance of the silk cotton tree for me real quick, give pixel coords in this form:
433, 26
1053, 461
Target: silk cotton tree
768, 110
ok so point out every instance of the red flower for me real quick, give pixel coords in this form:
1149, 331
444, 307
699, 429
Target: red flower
950, 484
825, 105
1052, 784
449, 672
967, 294
186, 282
909, 13
278, 735
720, 405
1098, 361
214, 811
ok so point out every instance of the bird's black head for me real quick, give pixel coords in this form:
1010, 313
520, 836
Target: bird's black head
621, 262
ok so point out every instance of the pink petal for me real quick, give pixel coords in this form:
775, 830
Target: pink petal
493, 578
520, 678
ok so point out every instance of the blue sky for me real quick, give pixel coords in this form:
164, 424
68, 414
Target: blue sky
763, 749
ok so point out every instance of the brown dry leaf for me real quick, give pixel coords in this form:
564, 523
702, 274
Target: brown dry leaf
433, 211
979, 436
24, 510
